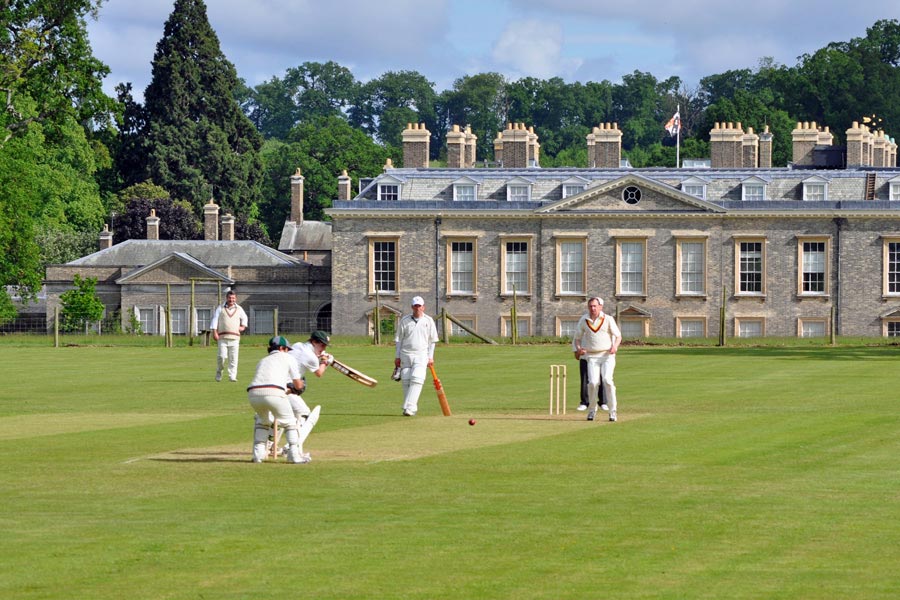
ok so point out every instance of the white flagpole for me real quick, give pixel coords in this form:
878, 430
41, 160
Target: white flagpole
678, 139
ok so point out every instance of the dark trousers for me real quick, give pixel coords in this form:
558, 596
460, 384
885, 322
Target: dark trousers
582, 368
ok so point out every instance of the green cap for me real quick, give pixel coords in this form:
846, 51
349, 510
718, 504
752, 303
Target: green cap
320, 336
278, 341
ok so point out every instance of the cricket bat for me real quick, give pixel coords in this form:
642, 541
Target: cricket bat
442, 397
357, 376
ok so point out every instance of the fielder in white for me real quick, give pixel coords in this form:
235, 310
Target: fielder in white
596, 340
415, 340
268, 397
228, 323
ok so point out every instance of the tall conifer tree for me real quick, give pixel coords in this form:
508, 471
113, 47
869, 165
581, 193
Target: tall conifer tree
199, 143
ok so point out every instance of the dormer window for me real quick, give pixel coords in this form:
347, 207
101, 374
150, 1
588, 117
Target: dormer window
815, 188
388, 191
573, 186
465, 189
695, 187
464, 192
894, 189
572, 189
753, 190
698, 191
518, 193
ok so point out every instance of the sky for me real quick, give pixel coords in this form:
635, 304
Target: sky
577, 40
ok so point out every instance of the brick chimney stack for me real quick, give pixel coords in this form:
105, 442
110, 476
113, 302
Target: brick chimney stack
211, 221
516, 141
804, 138
726, 146
605, 146
534, 148
765, 149
152, 225
750, 150
228, 228
416, 146
471, 148
880, 147
106, 237
297, 197
856, 151
456, 148
344, 187
498, 150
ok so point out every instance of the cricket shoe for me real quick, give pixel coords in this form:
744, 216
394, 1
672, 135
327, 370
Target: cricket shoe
604, 407
408, 413
296, 457
591, 415
259, 453
612, 416
582, 407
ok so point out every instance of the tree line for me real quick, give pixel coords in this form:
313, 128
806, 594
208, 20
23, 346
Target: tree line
72, 158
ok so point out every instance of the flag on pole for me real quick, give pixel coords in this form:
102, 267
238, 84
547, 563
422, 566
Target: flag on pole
674, 124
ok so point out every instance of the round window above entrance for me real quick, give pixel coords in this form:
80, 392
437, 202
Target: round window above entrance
631, 194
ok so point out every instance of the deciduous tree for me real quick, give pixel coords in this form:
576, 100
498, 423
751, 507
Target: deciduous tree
80, 306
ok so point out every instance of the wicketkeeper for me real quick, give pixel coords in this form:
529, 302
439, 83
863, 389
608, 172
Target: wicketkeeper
267, 394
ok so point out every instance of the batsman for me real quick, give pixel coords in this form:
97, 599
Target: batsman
415, 340
311, 358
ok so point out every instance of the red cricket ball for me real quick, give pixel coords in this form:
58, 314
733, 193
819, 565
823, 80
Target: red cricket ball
472, 421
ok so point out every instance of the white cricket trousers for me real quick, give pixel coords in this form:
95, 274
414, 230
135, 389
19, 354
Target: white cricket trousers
227, 358
412, 376
271, 405
600, 368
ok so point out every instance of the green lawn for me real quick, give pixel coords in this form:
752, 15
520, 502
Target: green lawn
732, 473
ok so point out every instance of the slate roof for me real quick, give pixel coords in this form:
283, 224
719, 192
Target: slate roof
432, 189
306, 235
242, 253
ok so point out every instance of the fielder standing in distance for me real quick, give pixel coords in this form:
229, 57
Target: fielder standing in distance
228, 323
267, 395
415, 340
596, 340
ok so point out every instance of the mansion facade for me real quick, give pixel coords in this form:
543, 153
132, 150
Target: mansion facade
792, 251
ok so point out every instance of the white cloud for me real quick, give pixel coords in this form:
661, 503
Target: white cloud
584, 40
533, 48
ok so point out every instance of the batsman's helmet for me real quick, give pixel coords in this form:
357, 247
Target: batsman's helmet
320, 336
278, 342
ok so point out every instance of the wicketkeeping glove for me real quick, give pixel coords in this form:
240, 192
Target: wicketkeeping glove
292, 390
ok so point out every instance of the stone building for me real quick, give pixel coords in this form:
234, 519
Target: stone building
790, 251
175, 285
